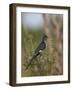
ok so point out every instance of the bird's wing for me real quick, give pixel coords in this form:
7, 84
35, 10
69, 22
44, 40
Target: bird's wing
40, 47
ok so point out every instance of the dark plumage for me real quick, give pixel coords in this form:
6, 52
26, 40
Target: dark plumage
38, 50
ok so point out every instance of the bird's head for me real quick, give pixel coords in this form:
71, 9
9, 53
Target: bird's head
45, 38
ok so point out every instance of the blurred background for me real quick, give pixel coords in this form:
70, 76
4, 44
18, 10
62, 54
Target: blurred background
33, 27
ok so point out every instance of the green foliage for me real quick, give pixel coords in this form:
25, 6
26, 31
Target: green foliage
45, 64
42, 65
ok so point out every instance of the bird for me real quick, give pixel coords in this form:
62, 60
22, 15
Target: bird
38, 50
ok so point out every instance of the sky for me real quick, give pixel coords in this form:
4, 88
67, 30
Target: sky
32, 20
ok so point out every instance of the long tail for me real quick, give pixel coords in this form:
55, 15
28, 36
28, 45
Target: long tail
31, 61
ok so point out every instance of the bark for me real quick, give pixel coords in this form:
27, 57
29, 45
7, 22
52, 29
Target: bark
49, 40
47, 32
58, 49
54, 52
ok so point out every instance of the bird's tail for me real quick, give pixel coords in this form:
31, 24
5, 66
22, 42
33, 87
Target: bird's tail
30, 61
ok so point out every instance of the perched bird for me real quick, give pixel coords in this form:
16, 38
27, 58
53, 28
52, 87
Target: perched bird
38, 50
